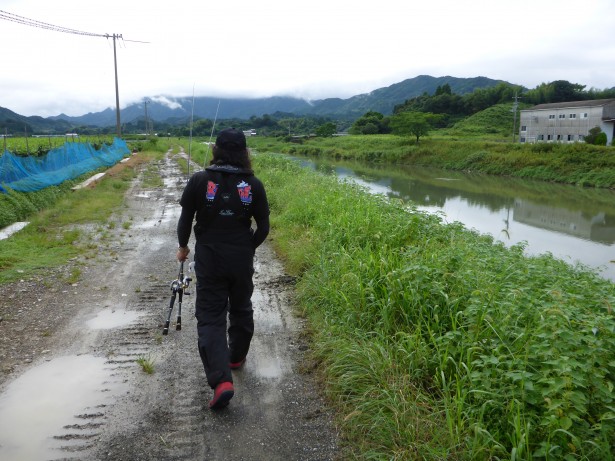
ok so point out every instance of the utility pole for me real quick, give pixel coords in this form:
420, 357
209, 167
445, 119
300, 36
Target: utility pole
43, 25
514, 110
146, 125
118, 130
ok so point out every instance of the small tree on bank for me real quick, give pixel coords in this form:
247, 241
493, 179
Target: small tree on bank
413, 123
326, 130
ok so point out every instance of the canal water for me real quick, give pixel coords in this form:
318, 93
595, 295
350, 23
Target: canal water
572, 223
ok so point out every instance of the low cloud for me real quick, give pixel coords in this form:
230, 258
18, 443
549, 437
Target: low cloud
167, 102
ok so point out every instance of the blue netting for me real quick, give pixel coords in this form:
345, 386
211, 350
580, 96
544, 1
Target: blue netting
27, 174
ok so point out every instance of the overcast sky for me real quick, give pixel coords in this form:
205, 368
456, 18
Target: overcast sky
312, 49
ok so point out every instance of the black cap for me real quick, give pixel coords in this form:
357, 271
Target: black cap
231, 139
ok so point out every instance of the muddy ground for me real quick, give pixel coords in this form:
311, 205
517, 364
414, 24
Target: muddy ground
70, 384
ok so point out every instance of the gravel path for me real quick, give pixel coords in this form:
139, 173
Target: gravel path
71, 385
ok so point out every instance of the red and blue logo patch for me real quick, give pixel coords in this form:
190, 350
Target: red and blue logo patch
245, 192
212, 188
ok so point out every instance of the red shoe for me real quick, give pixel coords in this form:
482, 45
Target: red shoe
236, 365
222, 395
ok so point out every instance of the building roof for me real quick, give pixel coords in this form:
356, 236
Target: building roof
565, 105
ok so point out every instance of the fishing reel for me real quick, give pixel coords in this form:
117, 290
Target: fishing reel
179, 287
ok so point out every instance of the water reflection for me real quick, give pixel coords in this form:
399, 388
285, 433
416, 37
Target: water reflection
575, 224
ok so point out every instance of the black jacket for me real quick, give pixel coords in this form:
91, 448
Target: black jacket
224, 198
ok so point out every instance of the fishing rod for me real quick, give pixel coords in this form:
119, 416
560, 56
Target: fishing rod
178, 287
211, 135
191, 123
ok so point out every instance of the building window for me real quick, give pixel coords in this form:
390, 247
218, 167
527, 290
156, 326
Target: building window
541, 137
581, 137
570, 137
573, 116
551, 116
523, 128
584, 115
562, 115
549, 137
522, 139
559, 137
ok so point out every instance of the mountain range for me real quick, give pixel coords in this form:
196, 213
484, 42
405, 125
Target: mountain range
178, 110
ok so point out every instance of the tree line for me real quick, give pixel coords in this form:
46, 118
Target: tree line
418, 115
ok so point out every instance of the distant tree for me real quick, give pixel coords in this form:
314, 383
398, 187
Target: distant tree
326, 130
564, 91
417, 124
370, 128
202, 127
371, 122
557, 91
444, 89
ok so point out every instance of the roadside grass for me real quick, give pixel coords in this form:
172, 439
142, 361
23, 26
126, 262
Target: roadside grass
435, 342
146, 363
56, 217
151, 177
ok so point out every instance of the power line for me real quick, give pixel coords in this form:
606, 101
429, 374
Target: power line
44, 25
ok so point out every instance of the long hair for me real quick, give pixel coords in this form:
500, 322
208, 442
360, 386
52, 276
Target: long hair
238, 158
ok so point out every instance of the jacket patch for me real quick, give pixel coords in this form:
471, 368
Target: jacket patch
245, 192
212, 188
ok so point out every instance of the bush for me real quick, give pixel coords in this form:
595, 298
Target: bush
600, 139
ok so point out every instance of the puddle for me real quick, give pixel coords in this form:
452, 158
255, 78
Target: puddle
112, 318
268, 367
267, 318
268, 360
40, 410
155, 222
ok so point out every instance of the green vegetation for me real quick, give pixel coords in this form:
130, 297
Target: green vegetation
579, 164
435, 342
495, 122
55, 214
415, 124
146, 363
40, 145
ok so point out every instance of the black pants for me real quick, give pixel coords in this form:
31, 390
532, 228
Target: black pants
224, 287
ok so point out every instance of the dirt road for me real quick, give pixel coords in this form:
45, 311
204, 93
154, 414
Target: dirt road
71, 387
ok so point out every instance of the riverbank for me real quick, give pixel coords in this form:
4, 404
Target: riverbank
578, 164
437, 343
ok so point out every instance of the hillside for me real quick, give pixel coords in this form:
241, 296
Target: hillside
383, 100
178, 110
12, 123
165, 108
496, 120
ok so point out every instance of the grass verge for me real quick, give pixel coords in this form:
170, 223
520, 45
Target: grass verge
437, 343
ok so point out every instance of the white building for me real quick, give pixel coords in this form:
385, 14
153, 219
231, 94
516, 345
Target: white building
567, 121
